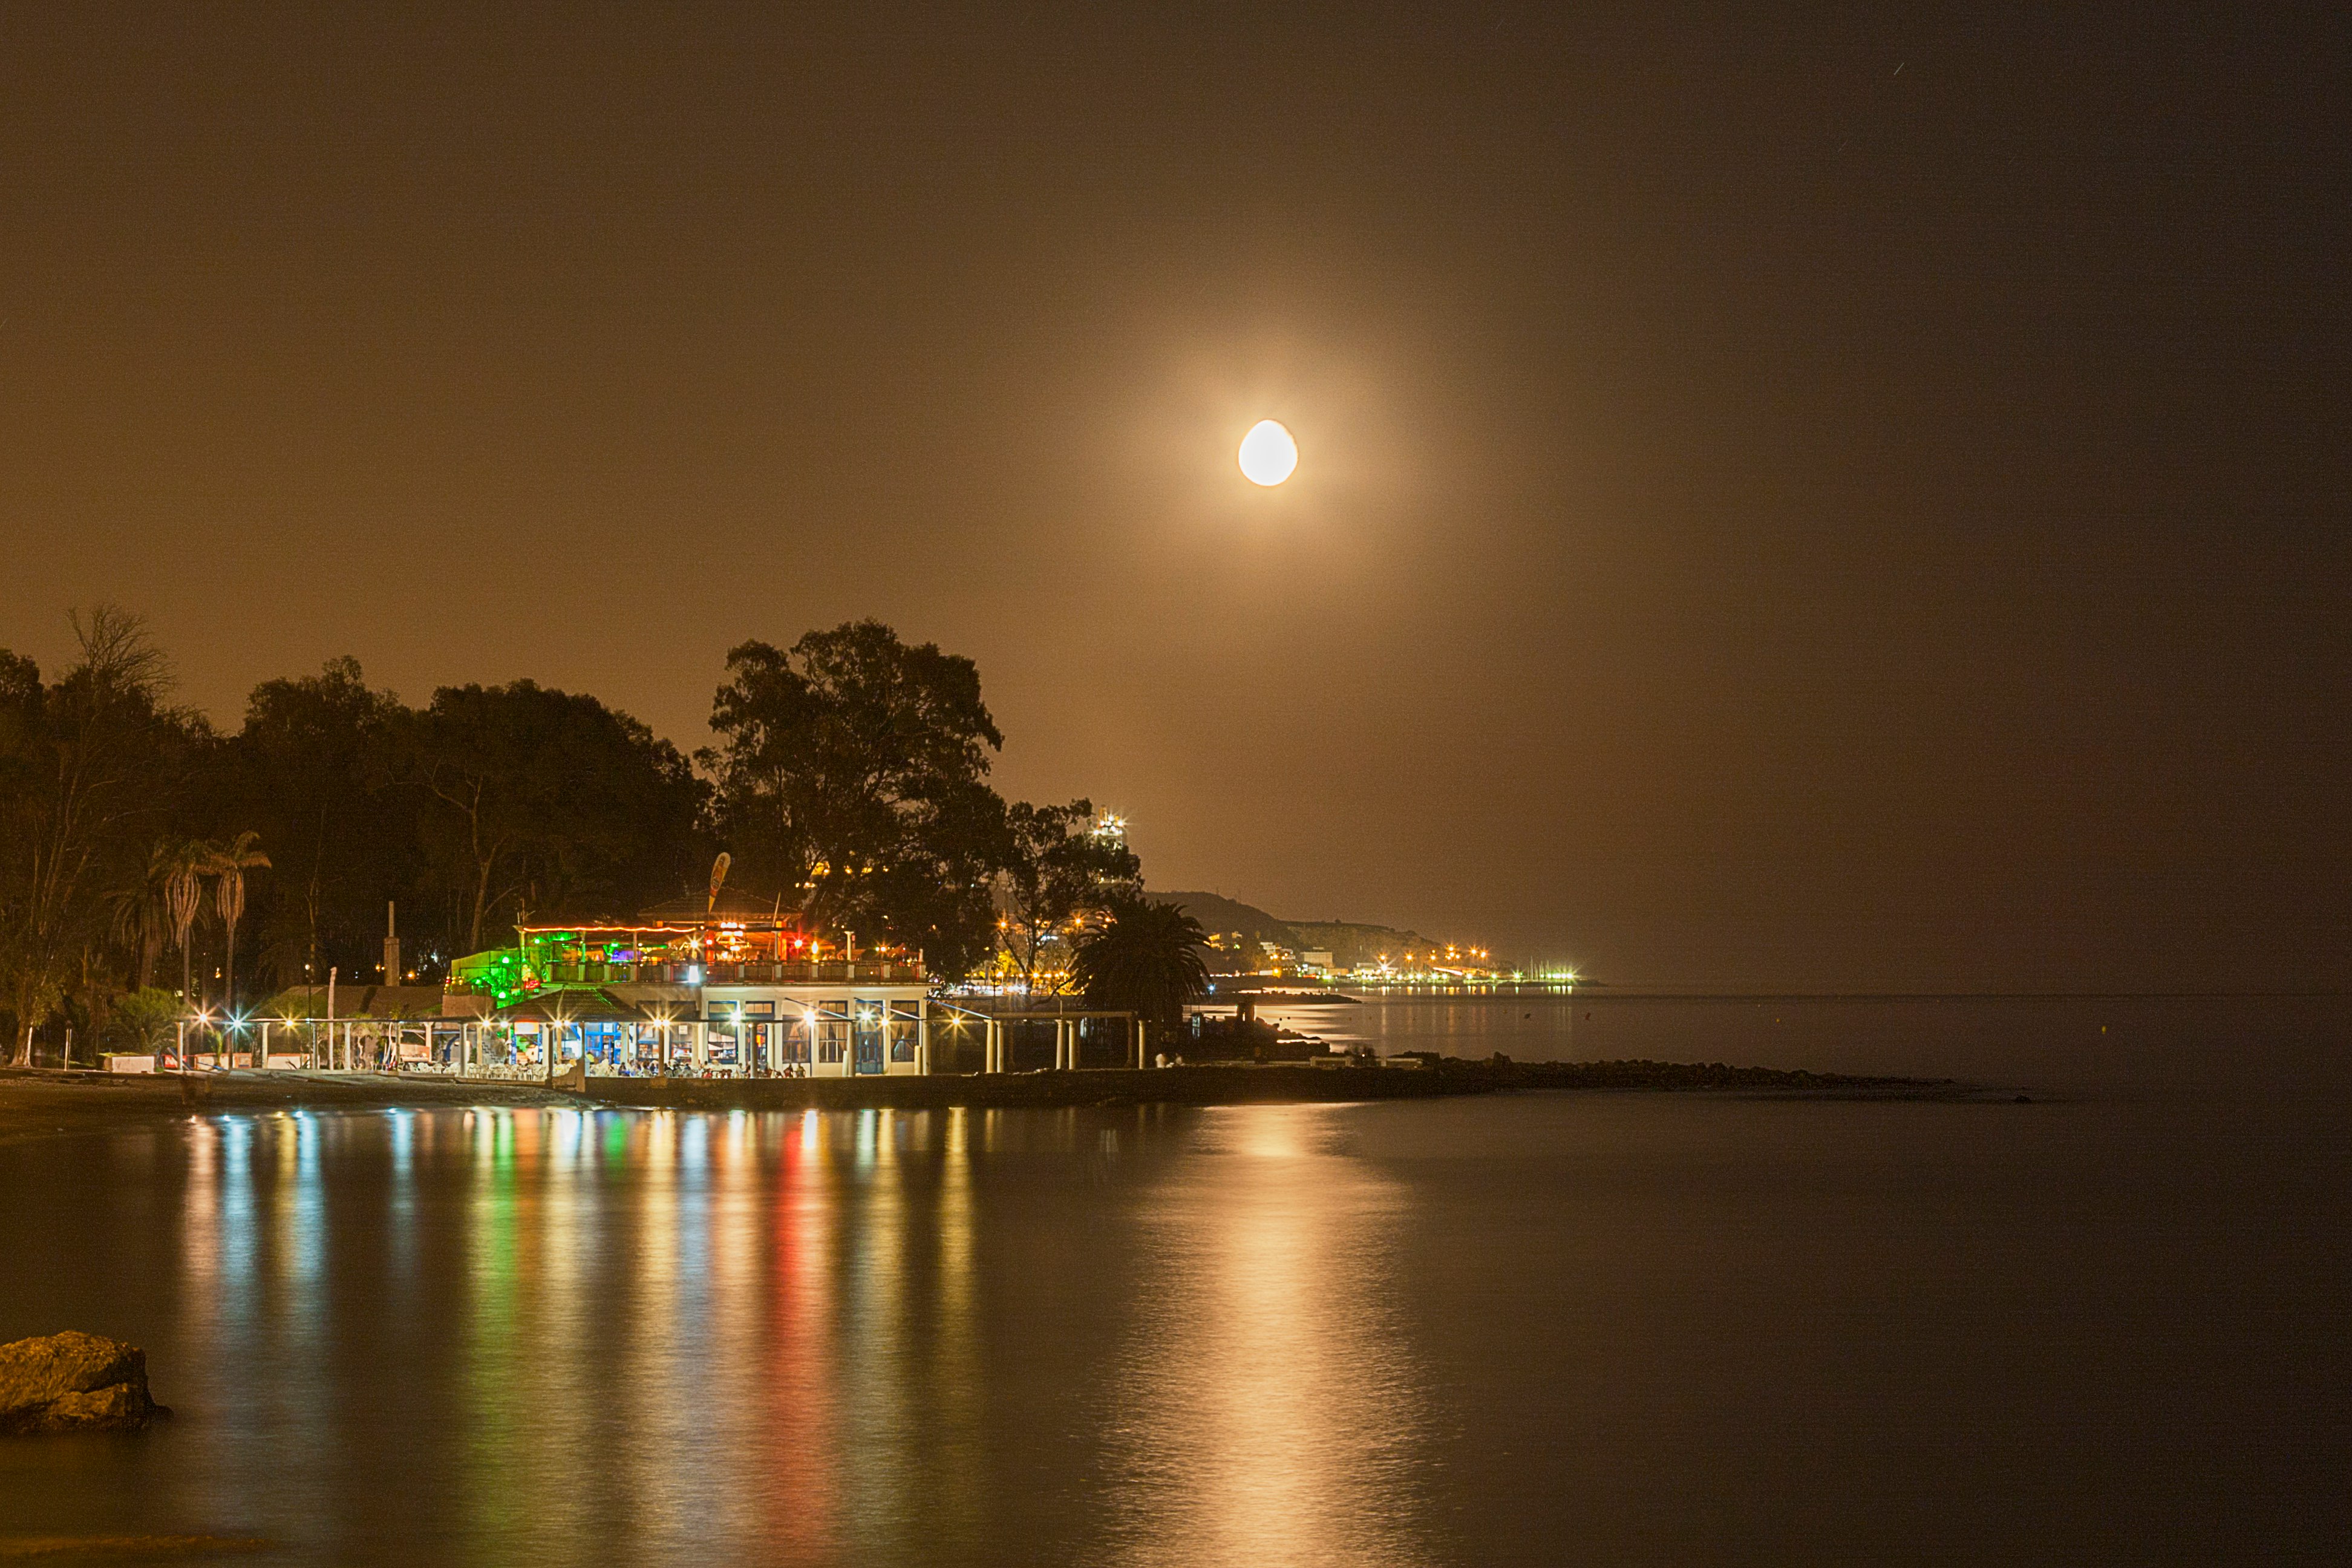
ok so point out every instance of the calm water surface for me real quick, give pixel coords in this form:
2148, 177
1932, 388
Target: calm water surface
2110, 1325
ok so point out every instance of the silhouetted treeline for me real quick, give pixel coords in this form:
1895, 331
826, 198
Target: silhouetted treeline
847, 777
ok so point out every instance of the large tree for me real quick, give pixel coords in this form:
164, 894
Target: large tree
549, 801
87, 766
1059, 870
851, 775
314, 775
932, 894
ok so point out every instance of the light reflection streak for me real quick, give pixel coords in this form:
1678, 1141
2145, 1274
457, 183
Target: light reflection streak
554, 1372
1265, 1410
301, 1247
200, 1244
666, 1330
237, 1222
663, 1426
955, 1360
495, 1337
877, 1337
802, 1474
296, 1325
731, 1329
401, 1218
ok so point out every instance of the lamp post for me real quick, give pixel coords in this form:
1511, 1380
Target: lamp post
553, 1035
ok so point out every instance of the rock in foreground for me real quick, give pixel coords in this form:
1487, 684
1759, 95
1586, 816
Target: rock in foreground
74, 1381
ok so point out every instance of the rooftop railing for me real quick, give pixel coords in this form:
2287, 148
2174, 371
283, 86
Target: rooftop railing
831, 971
897, 972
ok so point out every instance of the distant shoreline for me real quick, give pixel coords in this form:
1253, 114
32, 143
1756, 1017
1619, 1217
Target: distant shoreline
38, 1103
1588, 991
1242, 1083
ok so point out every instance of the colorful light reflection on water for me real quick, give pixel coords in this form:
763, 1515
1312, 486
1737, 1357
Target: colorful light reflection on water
519, 1334
1623, 1329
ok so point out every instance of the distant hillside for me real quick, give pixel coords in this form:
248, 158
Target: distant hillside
1349, 942
1219, 916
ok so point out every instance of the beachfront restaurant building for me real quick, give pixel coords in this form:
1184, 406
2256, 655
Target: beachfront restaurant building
723, 990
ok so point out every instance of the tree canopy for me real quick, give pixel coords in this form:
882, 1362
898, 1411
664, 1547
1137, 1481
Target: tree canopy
534, 798
848, 775
1057, 871
1146, 960
85, 764
851, 775
313, 771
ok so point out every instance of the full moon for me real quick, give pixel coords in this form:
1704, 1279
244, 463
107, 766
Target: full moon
1268, 454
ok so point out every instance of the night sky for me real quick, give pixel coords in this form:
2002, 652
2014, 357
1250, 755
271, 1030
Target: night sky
1846, 502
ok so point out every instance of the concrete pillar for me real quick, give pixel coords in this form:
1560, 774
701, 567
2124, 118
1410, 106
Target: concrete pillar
1140, 1057
923, 1039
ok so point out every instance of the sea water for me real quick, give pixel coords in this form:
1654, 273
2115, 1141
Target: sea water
2109, 1325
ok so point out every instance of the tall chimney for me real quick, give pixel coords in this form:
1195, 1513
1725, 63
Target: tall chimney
391, 945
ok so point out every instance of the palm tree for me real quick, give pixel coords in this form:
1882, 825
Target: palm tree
228, 864
1147, 961
184, 895
142, 912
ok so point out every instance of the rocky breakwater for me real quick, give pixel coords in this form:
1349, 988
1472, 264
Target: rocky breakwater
74, 1383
